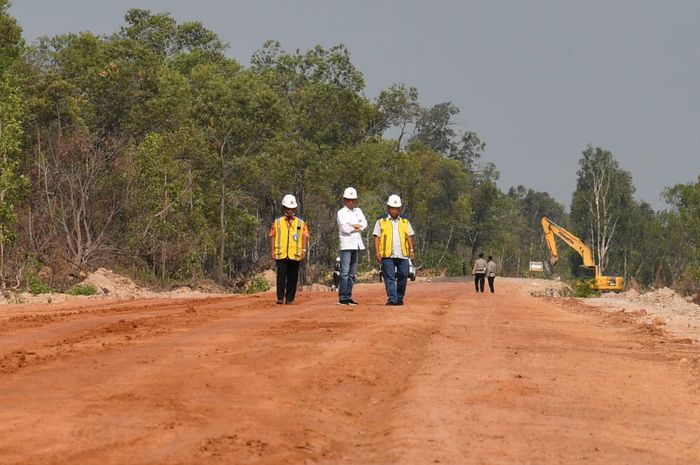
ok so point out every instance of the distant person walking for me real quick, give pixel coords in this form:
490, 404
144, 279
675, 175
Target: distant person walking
479, 272
393, 246
491, 272
289, 239
351, 223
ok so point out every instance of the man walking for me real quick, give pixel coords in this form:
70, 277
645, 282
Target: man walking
393, 246
479, 272
351, 223
491, 272
289, 238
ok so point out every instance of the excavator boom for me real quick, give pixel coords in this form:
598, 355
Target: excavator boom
551, 229
601, 283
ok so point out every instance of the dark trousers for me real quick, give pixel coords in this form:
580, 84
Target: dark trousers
287, 276
479, 279
491, 279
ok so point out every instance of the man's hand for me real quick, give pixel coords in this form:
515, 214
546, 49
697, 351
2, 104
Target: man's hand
378, 257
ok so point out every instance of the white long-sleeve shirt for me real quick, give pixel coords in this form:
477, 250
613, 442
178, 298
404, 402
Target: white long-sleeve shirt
351, 239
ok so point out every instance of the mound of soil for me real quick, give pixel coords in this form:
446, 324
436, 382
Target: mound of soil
113, 285
681, 316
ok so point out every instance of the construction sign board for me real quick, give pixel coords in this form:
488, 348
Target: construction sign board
536, 266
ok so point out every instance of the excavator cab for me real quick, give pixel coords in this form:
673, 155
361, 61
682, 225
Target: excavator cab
586, 273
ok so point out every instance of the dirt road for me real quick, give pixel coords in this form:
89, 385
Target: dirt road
452, 378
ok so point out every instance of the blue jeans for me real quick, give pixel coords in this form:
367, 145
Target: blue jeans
348, 268
395, 273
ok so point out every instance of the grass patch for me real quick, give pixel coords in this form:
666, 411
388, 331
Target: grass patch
82, 289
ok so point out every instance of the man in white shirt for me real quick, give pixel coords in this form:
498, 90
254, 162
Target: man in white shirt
351, 223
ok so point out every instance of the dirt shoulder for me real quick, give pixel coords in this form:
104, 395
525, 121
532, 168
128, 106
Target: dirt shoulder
451, 377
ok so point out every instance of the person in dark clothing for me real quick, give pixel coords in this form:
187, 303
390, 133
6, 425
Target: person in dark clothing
289, 238
479, 272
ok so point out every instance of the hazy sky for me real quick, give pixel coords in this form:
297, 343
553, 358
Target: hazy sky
537, 80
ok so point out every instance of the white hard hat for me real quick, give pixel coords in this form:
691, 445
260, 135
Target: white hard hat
289, 201
394, 201
350, 193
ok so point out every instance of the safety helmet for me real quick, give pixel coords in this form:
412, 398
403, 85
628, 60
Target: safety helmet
394, 201
289, 201
350, 193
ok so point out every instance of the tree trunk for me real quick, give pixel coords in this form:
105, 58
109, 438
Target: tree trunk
2, 261
163, 259
222, 231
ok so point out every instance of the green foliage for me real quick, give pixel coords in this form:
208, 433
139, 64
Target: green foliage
192, 152
13, 182
256, 285
82, 289
682, 228
36, 286
10, 37
584, 288
601, 206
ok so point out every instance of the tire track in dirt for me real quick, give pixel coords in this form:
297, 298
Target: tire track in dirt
46, 336
289, 383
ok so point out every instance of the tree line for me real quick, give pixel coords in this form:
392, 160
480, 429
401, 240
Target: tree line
152, 151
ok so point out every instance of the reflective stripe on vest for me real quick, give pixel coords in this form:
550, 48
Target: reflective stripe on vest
289, 239
386, 240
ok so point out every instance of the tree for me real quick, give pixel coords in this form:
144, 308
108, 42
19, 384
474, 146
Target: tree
468, 151
12, 109
601, 202
532, 206
238, 114
643, 246
10, 37
81, 193
683, 229
167, 224
434, 128
399, 108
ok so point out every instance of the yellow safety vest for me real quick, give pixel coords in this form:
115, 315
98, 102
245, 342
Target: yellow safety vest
289, 239
386, 240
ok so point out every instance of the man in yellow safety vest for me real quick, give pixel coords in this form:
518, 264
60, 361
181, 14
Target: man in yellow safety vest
289, 239
393, 246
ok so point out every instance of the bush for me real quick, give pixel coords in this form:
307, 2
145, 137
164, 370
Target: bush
257, 284
82, 289
585, 289
37, 286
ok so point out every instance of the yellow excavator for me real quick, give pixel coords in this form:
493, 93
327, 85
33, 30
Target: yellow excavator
590, 269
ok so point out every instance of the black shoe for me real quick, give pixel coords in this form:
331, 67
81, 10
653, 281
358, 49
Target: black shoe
352, 302
279, 302
343, 302
289, 302
391, 302
400, 302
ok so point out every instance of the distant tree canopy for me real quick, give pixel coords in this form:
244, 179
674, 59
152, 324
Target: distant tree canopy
153, 151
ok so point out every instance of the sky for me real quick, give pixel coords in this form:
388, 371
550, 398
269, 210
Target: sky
537, 80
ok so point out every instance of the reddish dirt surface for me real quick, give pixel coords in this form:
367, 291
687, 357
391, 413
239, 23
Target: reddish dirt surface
451, 377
